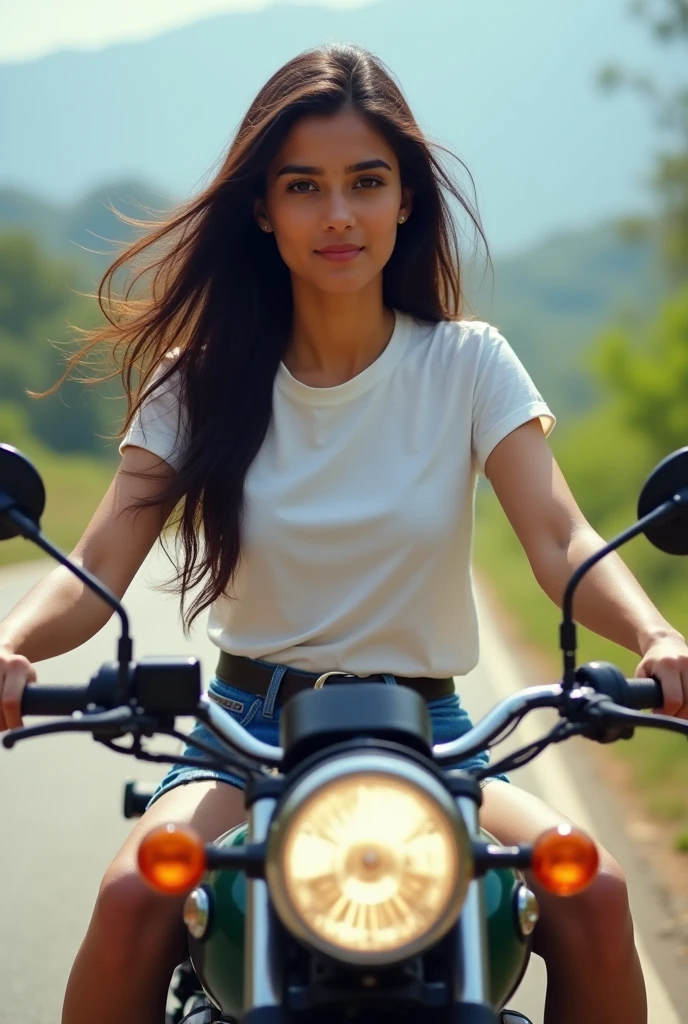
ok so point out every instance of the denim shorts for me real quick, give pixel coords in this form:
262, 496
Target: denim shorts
260, 716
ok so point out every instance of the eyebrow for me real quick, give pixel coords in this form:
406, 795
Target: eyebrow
365, 165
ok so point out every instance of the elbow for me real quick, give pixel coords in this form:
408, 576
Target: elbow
558, 555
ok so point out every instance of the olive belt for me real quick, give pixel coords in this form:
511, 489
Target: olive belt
249, 675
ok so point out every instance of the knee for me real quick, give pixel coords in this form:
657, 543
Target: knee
596, 923
130, 922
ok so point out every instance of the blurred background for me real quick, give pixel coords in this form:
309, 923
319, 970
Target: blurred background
572, 119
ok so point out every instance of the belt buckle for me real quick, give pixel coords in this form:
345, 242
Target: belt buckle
320, 681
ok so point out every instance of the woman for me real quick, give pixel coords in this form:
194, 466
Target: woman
316, 407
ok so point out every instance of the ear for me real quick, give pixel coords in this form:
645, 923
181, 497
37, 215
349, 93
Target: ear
406, 202
260, 214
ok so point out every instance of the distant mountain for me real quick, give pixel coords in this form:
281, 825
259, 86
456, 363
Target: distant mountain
509, 86
549, 301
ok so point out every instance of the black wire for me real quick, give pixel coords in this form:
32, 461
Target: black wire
220, 757
144, 755
508, 730
519, 758
214, 758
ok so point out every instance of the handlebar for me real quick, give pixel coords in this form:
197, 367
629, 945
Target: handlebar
151, 688
170, 686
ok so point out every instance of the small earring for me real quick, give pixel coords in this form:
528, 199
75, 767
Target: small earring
265, 227
401, 219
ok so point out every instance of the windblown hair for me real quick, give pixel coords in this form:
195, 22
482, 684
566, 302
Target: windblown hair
213, 292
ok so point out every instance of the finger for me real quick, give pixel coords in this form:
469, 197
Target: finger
672, 690
683, 713
16, 677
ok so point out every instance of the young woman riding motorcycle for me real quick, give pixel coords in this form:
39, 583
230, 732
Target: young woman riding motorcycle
314, 407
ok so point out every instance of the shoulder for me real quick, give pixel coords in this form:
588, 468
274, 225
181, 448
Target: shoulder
164, 379
455, 334
456, 342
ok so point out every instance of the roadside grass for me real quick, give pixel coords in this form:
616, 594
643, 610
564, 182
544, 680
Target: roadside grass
658, 760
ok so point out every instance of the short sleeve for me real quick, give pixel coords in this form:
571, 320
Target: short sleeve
504, 397
159, 425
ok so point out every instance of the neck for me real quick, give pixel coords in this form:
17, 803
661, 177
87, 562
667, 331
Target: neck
335, 337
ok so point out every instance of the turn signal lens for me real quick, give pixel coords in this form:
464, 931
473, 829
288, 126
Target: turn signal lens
172, 859
565, 860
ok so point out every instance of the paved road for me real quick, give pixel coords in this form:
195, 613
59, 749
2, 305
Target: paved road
60, 803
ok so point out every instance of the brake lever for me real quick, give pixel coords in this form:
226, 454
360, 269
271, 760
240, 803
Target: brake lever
616, 713
113, 722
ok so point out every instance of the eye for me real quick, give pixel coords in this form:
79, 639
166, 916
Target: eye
370, 178
292, 186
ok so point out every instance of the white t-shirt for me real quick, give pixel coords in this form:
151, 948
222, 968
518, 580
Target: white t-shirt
358, 525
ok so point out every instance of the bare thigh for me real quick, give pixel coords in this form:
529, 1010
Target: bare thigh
514, 816
210, 807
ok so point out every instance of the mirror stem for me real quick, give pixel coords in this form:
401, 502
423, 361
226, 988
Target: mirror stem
30, 531
567, 630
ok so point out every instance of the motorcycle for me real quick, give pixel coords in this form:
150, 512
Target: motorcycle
361, 887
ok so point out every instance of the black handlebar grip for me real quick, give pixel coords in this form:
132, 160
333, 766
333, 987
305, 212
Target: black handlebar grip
54, 700
644, 694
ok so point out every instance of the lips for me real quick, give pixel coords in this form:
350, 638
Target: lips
340, 253
340, 248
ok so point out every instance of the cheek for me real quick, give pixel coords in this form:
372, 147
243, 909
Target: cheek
380, 220
292, 234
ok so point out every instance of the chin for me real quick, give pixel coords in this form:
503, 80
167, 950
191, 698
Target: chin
349, 287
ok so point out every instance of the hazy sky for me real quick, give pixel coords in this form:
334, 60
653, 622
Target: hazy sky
32, 28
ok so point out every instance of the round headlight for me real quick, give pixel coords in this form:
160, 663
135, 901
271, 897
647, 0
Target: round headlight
368, 859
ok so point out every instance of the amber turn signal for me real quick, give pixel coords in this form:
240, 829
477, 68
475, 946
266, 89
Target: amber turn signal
565, 860
172, 859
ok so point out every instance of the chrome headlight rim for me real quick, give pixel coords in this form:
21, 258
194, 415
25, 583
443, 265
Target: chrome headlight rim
349, 765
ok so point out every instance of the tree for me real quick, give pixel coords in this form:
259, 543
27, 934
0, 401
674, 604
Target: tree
668, 22
649, 375
37, 304
649, 372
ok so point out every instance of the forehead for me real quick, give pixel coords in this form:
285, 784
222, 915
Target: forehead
333, 142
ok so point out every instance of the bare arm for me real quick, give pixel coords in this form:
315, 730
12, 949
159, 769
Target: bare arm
60, 613
557, 538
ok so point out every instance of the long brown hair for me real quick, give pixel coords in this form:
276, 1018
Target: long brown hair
213, 290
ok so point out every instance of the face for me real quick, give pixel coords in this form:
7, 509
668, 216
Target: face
333, 200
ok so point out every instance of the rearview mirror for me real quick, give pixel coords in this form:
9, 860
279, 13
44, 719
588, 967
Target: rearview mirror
21, 489
667, 479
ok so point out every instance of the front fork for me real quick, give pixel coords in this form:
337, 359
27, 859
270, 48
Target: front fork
263, 976
471, 966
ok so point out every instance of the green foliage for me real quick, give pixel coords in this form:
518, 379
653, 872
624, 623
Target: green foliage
668, 22
38, 302
649, 375
550, 301
681, 843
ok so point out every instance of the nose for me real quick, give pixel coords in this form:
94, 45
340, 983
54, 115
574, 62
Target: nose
338, 214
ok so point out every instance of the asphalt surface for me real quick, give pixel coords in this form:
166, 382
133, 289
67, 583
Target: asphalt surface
61, 820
